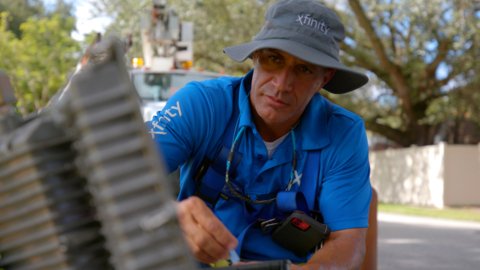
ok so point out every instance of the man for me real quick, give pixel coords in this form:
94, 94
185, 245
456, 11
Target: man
285, 137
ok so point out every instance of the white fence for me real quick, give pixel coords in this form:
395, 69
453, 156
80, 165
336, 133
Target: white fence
434, 176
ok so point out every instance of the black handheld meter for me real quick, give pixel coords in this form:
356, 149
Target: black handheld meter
300, 233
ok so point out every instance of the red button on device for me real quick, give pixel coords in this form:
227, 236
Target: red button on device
300, 224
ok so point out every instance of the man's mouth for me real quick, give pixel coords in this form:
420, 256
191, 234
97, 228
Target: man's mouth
275, 101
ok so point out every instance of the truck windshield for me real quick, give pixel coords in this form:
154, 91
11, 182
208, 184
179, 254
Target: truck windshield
161, 86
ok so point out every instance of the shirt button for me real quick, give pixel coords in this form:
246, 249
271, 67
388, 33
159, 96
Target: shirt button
259, 179
259, 156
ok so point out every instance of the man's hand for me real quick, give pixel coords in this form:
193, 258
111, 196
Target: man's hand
206, 236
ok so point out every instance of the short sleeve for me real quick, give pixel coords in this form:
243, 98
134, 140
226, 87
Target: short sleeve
181, 128
192, 121
345, 193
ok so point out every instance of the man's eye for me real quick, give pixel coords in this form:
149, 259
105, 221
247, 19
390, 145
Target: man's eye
304, 69
274, 58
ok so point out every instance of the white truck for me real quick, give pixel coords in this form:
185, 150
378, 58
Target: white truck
167, 46
156, 87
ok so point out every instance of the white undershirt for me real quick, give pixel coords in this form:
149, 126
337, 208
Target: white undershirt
271, 146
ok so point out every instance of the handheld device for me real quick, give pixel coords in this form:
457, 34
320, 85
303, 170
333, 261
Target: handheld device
300, 233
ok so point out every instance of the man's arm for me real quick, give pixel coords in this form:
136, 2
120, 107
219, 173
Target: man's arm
186, 125
344, 249
345, 198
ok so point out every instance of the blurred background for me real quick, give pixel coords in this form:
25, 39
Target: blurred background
421, 56
421, 107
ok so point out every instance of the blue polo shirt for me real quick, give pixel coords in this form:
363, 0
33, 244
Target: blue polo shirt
191, 127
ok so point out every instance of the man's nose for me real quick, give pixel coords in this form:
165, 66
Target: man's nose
283, 80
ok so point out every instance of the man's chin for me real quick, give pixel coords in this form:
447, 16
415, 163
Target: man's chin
274, 119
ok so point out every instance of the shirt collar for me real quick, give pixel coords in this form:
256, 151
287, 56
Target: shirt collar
311, 133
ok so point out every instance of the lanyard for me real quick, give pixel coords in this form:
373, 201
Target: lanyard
230, 158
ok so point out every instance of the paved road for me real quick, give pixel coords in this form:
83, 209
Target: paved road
418, 243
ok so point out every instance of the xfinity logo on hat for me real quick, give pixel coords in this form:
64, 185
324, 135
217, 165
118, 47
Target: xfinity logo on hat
311, 21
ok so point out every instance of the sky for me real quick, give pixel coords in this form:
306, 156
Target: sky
85, 21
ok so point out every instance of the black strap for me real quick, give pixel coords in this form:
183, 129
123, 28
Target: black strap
206, 190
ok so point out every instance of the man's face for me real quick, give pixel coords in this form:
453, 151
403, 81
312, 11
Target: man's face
283, 85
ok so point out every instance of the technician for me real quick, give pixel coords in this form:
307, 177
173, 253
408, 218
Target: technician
277, 133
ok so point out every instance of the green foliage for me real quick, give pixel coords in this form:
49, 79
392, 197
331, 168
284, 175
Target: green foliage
403, 44
127, 14
463, 213
39, 62
62, 8
218, 24
20, 11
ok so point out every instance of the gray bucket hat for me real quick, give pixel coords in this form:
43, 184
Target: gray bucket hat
309, 31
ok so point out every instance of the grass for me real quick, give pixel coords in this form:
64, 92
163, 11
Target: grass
461, 213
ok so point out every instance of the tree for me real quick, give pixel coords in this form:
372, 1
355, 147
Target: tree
126, 15
421, 56
20, 11
38, 63
8, 56
63, 8
218, 24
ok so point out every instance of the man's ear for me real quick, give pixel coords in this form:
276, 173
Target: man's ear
255, 55
328, 76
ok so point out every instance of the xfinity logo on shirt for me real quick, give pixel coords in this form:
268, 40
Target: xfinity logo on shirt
306, 20
297, 178
159, 126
